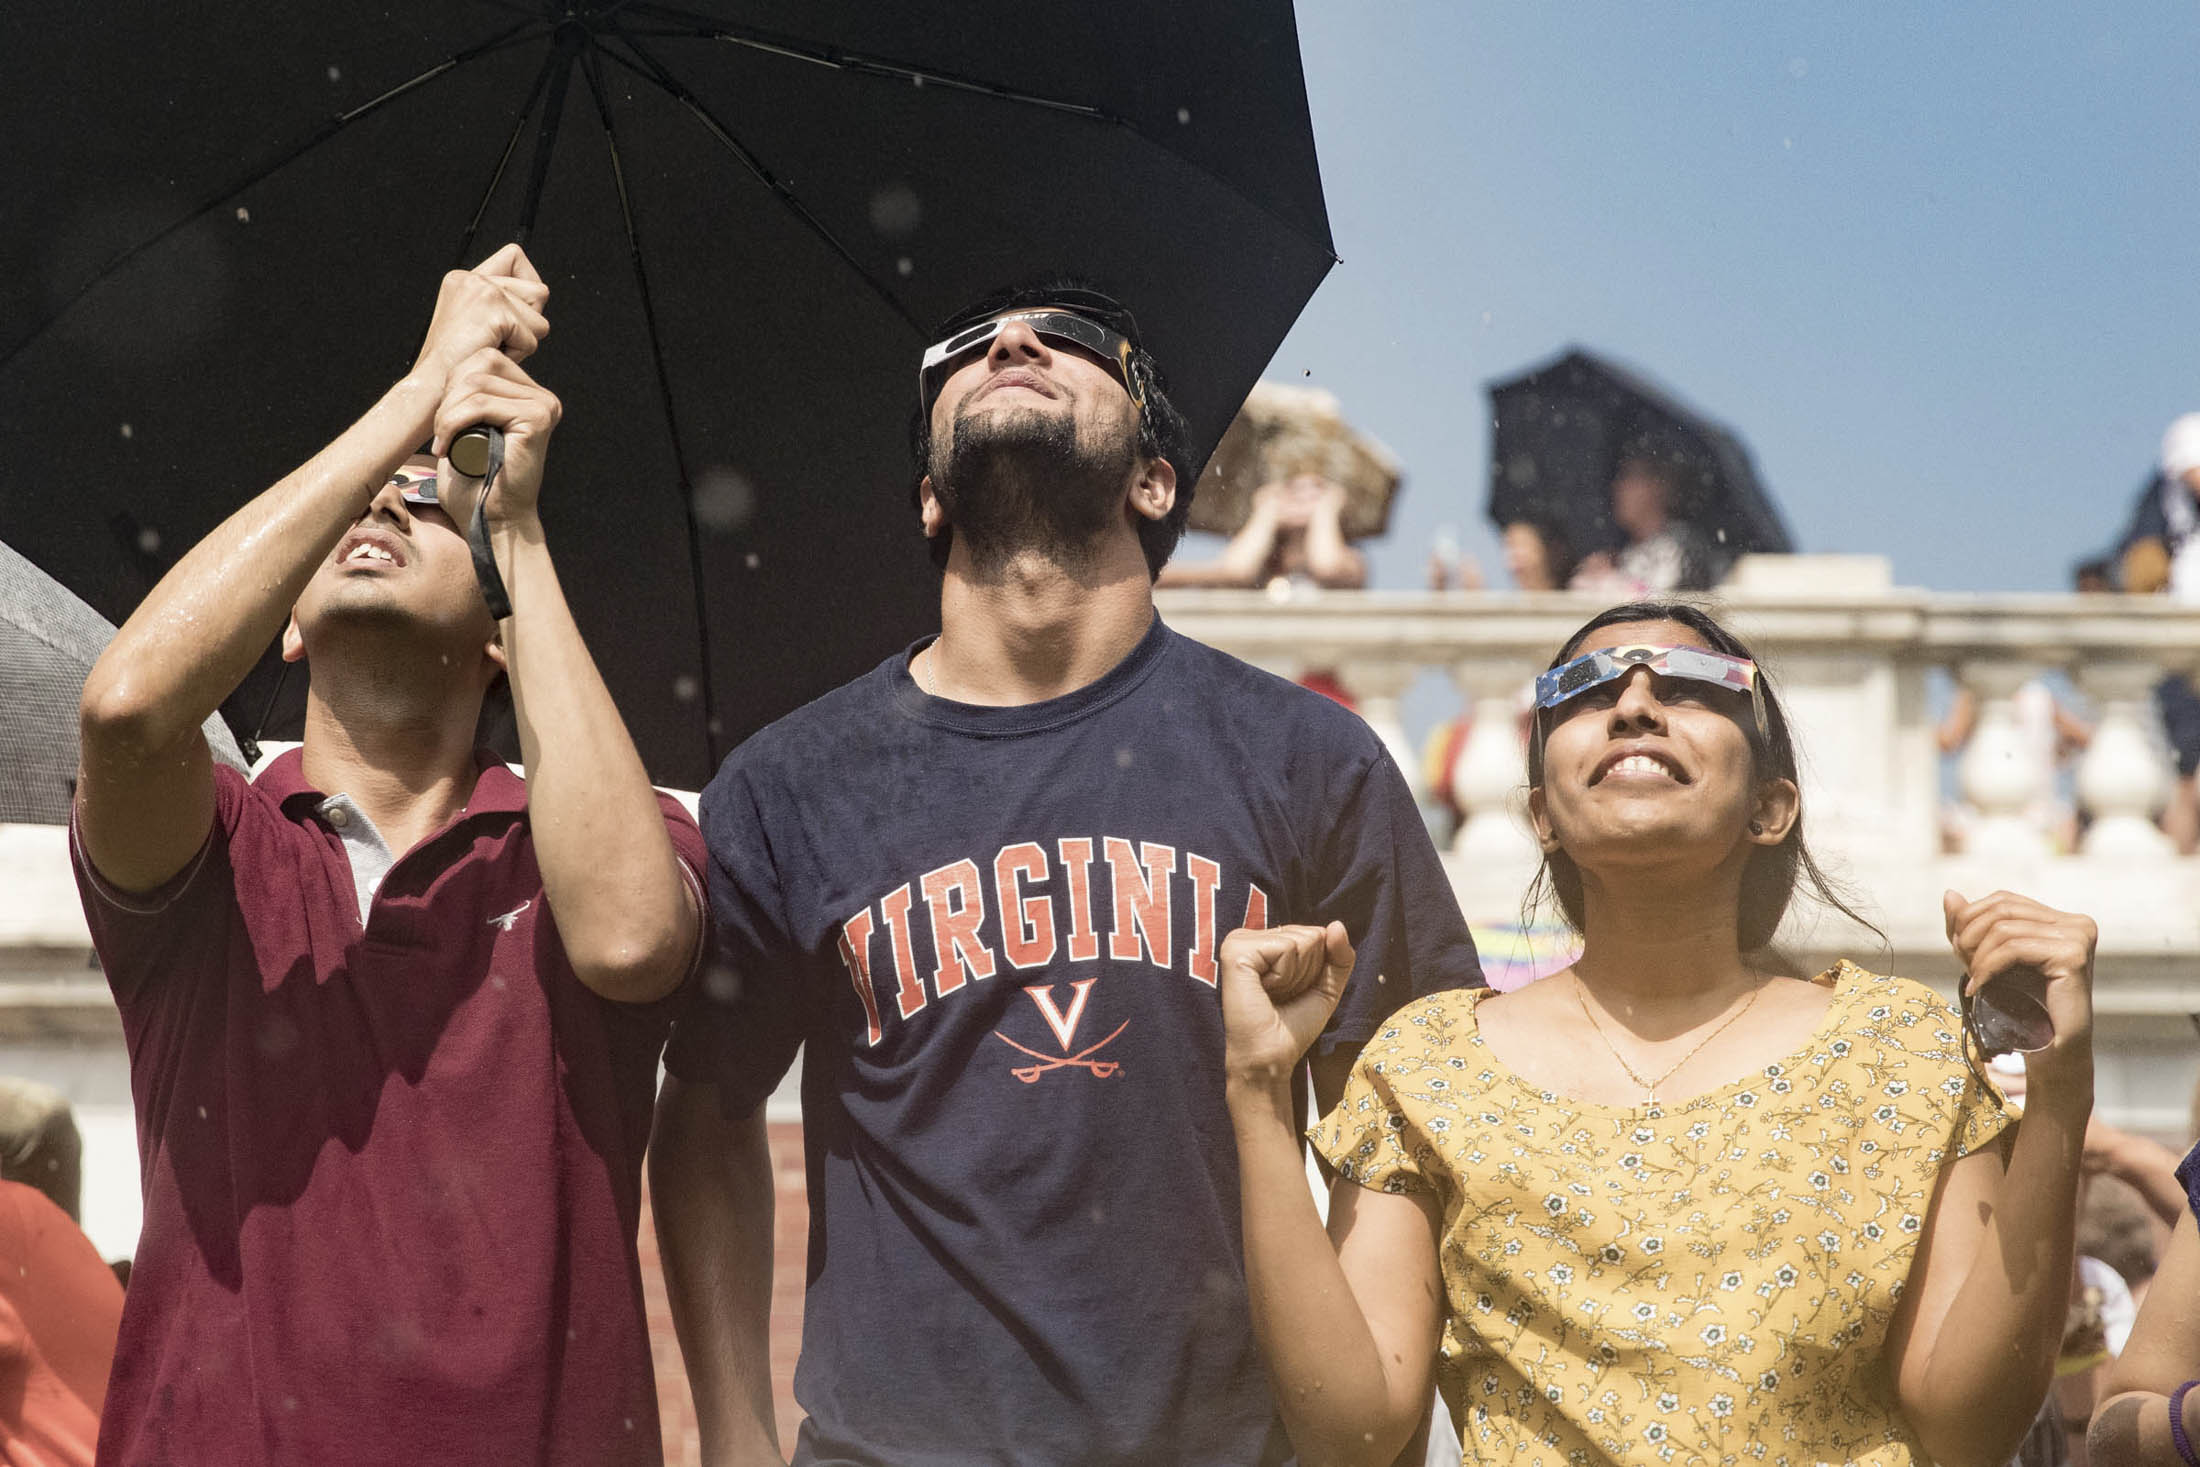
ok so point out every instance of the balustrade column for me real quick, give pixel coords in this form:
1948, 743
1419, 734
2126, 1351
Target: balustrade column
2124, 777
1377, 684
1491, 769
2002, 774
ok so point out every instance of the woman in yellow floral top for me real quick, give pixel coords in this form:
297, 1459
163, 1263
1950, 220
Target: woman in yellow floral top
1664, 1206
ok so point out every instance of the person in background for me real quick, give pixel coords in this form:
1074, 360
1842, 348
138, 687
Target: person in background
1539, 554
1664, 1205
2161, 556
2150, 1414
59, 1309
1663, 553
1539, 557
1295, 536
39, 1143
1537, 551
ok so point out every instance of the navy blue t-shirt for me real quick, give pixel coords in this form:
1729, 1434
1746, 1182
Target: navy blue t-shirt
996, 930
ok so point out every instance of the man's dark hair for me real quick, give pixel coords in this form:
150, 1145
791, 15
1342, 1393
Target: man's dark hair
1161, 428
1770, 879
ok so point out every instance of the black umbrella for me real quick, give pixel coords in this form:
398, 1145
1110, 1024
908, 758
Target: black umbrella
1562, 428
48, 643
227, 220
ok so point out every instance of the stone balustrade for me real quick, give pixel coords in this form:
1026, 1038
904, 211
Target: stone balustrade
1856, 662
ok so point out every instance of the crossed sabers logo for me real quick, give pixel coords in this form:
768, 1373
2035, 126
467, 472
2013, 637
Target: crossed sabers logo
1065, 1030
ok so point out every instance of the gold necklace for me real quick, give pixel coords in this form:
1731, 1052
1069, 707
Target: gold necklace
1650, 1086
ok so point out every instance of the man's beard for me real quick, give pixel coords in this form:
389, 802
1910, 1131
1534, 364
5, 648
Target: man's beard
1026, 482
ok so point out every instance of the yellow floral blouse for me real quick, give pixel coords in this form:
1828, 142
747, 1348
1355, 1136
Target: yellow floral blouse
1709, 1281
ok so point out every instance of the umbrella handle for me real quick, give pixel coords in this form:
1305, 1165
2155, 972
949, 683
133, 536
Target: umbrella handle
478, 453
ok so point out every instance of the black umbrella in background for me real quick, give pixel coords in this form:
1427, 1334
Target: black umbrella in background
1561, 429
226, 222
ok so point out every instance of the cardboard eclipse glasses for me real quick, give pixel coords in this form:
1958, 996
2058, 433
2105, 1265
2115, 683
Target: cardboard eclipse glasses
1054, 324
1569, 680
417, 486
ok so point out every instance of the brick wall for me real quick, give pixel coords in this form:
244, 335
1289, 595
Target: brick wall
790, 1251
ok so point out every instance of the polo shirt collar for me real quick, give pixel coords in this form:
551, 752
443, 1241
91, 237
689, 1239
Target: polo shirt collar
497, 790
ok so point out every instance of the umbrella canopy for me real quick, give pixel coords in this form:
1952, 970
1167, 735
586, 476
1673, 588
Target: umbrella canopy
48, 643
1561, 430
226, 237
1285, 431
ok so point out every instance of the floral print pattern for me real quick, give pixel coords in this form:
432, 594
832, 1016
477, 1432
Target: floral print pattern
1708, 1281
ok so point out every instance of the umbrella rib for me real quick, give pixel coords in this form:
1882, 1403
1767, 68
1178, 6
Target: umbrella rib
653, 71
222, 196
504, 159
560, 64
592, 69
706, 28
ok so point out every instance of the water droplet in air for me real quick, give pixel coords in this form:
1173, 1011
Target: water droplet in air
1798, 68
148, 540
1123, 757
244, 215
336, 73
202, 1112
905, 267
685, 687
128, 431
723, 500
1183, 116
895, 209
752, 560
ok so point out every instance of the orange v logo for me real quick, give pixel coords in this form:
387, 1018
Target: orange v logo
1063, 1025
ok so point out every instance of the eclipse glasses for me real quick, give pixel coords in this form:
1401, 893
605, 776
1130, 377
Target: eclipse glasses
1057, 324
417, 486
1569, 680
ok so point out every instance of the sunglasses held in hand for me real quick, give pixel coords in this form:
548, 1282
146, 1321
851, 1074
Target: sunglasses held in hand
2009, 1014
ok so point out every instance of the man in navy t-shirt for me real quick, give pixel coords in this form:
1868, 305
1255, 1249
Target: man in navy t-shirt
985, 886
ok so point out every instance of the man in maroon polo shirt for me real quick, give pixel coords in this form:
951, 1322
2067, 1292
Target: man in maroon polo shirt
393, 1015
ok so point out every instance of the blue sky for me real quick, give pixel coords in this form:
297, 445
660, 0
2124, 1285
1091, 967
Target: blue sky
1937, 265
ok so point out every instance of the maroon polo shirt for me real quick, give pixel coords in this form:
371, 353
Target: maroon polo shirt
392, 1176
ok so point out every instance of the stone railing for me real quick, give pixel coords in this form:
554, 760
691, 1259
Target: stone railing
1856, 662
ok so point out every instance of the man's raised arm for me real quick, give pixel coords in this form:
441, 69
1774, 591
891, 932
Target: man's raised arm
629, 919
145, 785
